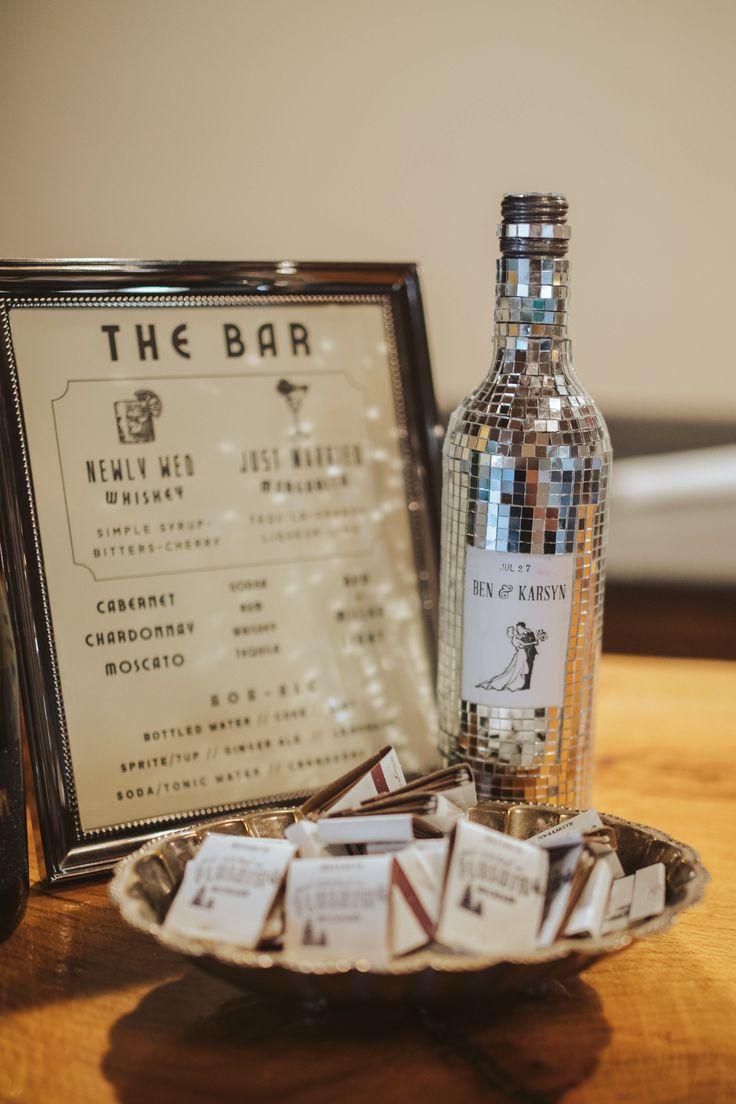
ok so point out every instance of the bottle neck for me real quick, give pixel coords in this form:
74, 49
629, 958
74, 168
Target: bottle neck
531, 298
530, 331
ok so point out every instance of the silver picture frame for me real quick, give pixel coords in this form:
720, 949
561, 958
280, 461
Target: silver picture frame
35, 298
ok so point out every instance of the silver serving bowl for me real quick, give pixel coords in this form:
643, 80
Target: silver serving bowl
146, 881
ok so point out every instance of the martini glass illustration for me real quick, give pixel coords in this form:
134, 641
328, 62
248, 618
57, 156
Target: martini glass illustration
294, 394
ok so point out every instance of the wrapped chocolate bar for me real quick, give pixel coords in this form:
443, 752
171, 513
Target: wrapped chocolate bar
434, 810
454, 784
379, 774
389, 829
619, 904
587, 894
229, 888
494, 892
569, 867
648, 896
586, 918
583, 864
582, 824
416, 893
339, 907
635, 898
439, 800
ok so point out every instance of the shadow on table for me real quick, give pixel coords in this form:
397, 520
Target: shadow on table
192, 1040
72, 945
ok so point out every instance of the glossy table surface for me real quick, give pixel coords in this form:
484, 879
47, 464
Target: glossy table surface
93, 1012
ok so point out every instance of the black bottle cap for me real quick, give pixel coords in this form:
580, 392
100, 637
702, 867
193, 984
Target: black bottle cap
534, 209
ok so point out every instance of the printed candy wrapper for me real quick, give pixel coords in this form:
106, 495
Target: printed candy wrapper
229, 888
619, 903
584, 822
568, 872
432, 813
635, 898
454, 784
338, 907
581, 899
649, 893
416, 891
396, 828
380, 774
494, 892
587, 916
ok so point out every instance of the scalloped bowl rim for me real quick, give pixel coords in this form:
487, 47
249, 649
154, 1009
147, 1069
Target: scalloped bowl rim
428, 959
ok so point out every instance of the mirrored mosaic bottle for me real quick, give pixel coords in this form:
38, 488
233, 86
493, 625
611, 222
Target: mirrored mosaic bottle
526, 464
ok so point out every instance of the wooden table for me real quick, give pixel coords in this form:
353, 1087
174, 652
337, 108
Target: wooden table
93, 1012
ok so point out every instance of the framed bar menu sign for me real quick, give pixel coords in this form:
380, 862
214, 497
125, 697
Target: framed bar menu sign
219, 534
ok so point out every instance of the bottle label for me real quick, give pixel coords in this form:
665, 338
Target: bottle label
516, 624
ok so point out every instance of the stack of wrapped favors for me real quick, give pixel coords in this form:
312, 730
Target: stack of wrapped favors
375, 867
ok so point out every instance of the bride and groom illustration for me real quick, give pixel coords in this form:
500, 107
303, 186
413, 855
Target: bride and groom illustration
517, 674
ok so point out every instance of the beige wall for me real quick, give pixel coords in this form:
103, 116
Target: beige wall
388, 129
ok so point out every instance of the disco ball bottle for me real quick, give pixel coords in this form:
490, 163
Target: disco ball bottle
526, 464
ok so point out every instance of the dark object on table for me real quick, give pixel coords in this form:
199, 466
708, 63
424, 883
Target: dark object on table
13, 843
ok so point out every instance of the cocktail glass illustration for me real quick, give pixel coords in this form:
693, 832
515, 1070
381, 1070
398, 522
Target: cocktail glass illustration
294, 394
